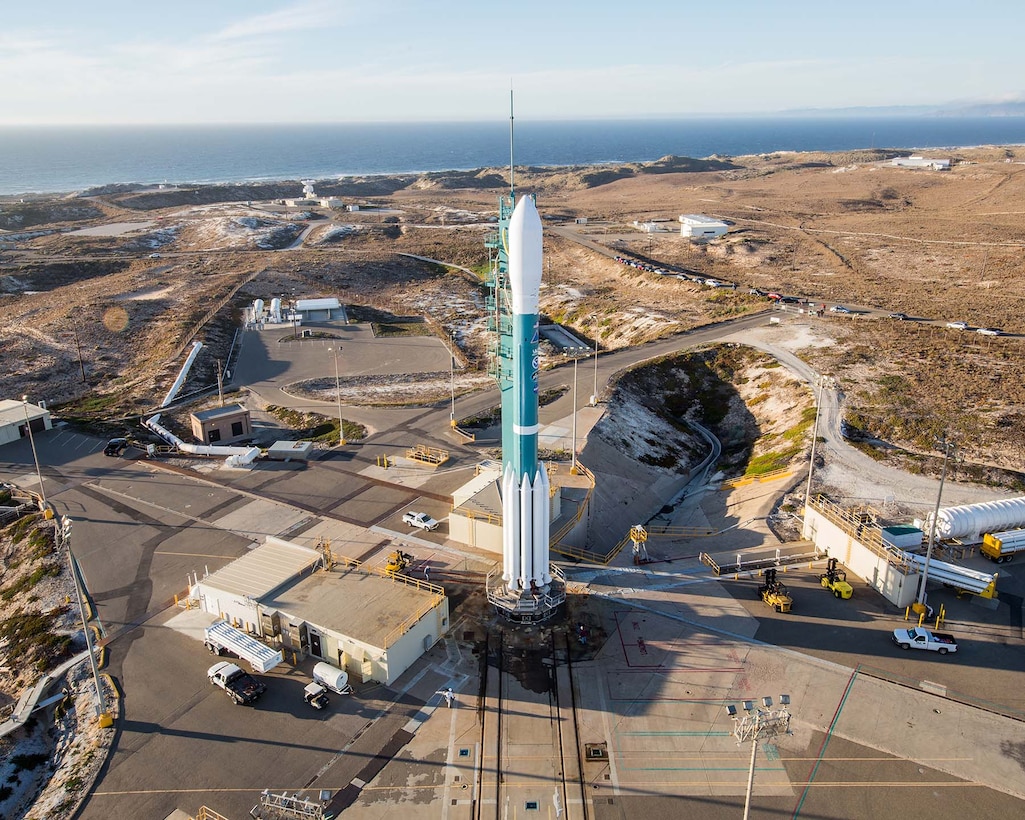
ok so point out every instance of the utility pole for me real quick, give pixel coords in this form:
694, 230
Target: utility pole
35, 458
594, 395
64, 535
78, 344
338, 396
220, 383
820, 382
921, 605
573, 465
452, 380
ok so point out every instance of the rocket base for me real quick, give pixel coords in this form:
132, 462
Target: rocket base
527, 606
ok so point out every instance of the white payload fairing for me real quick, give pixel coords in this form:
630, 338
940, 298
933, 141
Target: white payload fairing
525, 486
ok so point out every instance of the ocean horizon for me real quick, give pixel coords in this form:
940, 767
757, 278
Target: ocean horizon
65, 159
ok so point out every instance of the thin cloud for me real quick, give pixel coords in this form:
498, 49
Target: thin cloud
300, 17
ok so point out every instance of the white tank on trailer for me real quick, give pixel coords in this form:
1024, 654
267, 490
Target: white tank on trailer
331, 677
971, 521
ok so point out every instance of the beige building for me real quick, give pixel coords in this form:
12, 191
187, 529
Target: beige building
222, 425
372, 624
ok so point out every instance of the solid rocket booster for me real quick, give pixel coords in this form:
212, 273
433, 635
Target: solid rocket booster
525, 486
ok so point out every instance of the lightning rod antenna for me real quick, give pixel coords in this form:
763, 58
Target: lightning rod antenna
512, 187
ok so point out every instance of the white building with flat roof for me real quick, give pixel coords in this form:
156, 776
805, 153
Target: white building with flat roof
696, 226
16, 416
372, 624
922, 162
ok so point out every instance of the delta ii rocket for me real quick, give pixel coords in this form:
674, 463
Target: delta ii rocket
525, 487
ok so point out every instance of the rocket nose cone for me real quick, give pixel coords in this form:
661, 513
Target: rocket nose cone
525, 256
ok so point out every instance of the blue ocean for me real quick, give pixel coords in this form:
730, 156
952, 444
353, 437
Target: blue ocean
62, 158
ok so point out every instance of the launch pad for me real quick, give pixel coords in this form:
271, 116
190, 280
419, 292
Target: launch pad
527, 606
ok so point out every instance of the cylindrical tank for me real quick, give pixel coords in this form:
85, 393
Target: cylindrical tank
258, 309
275, 309
331, 677
971, 521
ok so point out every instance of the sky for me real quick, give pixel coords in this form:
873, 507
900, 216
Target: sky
304, 61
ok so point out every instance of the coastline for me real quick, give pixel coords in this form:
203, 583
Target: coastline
340, 179
68, 161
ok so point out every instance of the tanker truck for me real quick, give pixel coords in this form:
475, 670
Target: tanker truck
1001, 547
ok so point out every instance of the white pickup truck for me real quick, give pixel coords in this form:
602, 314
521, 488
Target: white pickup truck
919, 638
421, 520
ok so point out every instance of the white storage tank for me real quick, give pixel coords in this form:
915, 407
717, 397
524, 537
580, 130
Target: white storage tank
258, 309
331, 677
971, 521
275, 309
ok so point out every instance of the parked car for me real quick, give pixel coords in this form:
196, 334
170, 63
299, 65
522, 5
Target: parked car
958, 325
900, 317
115, 447
420, 520
839, 309
990, 331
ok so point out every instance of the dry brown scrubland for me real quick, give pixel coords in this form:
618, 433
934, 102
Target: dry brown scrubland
838, 228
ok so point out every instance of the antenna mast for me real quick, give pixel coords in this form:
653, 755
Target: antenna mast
512, 188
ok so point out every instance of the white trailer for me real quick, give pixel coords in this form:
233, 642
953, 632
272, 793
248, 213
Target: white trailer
222, 637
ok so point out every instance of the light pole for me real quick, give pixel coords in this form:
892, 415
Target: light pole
573, 465
820, 382
921, 605
338, 396
594, 395
452, 382
64, 534
35, 458
763, 721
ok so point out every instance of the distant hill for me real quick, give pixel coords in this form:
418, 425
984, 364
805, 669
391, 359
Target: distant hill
965, 108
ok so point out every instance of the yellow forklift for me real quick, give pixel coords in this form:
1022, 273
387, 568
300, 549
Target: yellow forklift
398, 561
774, 592
835, 579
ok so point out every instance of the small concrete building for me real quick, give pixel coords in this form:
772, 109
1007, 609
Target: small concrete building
290, 451
13, 424
222, 425
313, 310
371, 624
696, 226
